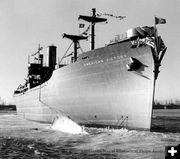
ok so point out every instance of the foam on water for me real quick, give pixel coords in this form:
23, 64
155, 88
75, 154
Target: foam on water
65, 124
20, 137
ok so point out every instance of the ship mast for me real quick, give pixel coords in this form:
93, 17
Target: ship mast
93, 20
75, 39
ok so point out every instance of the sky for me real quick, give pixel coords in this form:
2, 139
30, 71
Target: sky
26, 23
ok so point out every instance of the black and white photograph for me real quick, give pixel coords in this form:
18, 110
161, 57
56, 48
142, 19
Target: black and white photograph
89, 79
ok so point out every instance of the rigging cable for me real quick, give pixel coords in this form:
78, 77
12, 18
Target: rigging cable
65, 53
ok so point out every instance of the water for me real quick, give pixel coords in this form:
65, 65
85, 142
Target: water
65, 124
25, 139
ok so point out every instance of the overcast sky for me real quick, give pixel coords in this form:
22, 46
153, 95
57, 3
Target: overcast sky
26, 23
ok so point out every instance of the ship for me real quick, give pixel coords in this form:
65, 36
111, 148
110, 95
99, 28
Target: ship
110, 86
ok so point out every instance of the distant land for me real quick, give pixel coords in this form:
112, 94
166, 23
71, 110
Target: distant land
167, 105
8, 107
157, 105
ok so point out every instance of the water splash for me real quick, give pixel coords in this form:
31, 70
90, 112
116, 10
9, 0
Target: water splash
65, 124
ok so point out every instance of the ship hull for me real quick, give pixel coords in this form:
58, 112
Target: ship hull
98, 90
